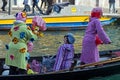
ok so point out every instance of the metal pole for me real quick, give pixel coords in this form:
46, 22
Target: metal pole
119, 3
9, 11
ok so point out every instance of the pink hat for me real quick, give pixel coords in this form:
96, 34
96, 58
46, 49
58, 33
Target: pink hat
96, 12
39, 22
21, 16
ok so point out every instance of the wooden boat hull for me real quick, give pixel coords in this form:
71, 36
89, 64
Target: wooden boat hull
82, 74
59, 22
77, 74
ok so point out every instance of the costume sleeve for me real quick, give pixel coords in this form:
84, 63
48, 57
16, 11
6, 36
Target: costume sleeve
31, 35
59, 58
101, 33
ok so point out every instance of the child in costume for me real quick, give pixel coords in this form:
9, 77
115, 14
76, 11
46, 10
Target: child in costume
65, 53
35, 66
94, 35
38, 25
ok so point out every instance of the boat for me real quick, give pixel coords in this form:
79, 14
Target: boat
76, 17
109, 65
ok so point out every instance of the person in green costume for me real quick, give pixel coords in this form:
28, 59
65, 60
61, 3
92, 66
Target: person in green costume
20, 34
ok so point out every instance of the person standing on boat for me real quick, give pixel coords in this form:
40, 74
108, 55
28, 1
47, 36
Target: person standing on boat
4, 5
20, 34
112, 5
94, 35
65, 53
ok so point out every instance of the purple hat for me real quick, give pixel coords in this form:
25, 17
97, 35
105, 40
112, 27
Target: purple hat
21, 16
71, 38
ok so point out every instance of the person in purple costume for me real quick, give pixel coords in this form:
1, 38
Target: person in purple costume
94, 30
65, 53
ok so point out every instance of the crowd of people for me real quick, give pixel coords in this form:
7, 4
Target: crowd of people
27, 8
48, 5
23, 37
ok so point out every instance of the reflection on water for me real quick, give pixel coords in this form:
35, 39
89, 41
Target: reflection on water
53, 39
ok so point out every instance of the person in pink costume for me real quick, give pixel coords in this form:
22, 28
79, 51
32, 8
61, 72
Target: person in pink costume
38, 25
94, 35
35, 66
65, 53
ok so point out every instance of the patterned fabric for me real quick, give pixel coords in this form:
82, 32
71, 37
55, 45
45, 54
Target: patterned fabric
17, 48
64, 57
89, 48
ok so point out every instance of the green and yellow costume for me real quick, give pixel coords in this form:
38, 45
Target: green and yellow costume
20, 34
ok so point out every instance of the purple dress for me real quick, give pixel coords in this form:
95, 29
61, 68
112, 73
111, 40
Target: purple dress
90, 52
64, 57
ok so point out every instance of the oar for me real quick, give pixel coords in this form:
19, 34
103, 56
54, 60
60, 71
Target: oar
87, 65
99, 63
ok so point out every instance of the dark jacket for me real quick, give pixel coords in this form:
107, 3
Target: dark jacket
35, 1
111, 1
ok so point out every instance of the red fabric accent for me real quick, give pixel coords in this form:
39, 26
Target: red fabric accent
96, 14
12, 57
98, 41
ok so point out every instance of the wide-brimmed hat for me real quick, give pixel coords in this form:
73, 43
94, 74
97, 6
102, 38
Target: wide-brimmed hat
70, 37
21, 16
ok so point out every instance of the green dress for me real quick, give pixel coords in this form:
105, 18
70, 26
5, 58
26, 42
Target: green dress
20, 34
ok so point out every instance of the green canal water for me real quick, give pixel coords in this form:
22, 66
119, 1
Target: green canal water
49, 44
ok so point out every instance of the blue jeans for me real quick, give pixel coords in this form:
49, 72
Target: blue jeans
112, 7
36, 5
26, 8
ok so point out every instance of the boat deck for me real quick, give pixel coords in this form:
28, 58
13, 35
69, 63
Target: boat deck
5, 14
